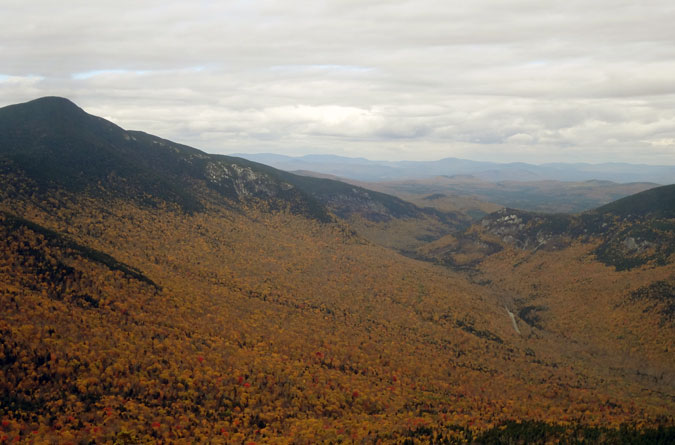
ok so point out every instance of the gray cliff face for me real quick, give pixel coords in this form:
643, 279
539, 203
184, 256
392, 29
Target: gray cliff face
525, 230
625, 240
244, 181
634, 245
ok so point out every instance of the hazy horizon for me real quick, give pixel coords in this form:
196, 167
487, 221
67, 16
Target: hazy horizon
371, 159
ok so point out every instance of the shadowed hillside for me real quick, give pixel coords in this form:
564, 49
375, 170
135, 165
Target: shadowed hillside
51, 144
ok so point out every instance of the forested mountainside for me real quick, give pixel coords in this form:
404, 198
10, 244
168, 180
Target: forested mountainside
634, 231
57, 146
154, 293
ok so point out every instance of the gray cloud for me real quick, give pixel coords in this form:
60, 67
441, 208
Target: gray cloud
518, 80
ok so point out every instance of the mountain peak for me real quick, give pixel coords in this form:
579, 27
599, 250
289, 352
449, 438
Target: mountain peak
55, 100
46, 113
46, 105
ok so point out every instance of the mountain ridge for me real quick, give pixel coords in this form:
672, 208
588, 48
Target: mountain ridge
377, 171
167, 169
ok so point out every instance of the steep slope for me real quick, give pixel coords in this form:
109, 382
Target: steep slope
51, 144
248, 318
639, 229
56, 145
658, 202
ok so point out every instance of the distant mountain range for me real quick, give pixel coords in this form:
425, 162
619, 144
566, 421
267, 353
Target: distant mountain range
362, 169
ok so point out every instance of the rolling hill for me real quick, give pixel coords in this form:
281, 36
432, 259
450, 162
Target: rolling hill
155, 293
536, 196
475, 197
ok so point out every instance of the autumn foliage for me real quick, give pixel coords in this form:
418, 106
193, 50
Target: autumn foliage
263, 326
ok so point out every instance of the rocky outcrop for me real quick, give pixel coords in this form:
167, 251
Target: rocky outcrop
526, 230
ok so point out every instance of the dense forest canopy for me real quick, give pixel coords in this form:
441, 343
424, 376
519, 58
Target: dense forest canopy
152, 292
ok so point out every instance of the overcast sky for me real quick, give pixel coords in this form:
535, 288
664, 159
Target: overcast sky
533, 81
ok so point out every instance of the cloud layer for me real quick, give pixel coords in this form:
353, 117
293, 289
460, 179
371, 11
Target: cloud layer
386, 79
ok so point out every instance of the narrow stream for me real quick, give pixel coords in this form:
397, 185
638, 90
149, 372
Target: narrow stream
513, 320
